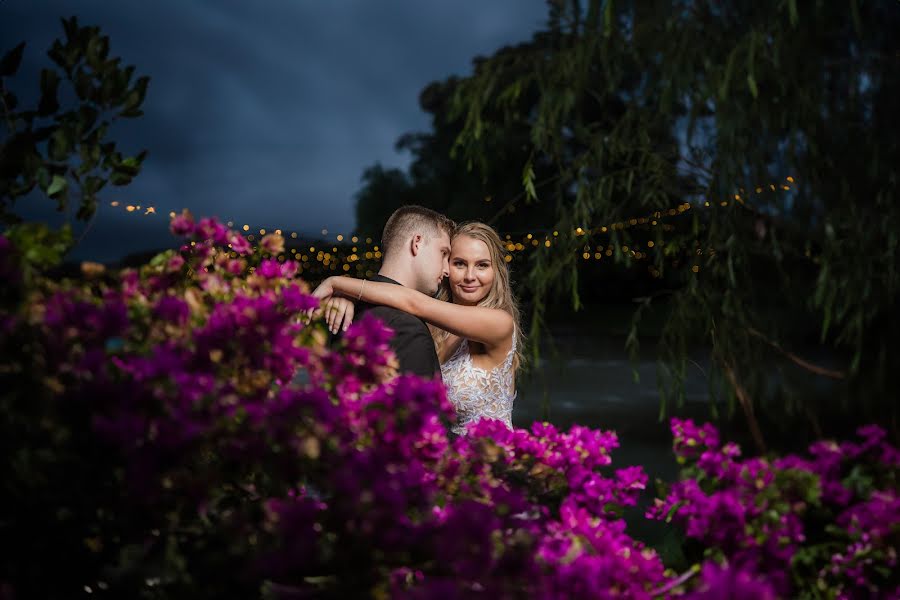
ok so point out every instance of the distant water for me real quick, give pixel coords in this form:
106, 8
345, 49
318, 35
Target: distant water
590, 380
592, 383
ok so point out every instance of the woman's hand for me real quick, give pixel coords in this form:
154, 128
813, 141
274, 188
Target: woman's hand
337, 310
324, 291
339, 313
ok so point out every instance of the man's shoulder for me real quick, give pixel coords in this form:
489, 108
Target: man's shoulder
393, 316
382, 312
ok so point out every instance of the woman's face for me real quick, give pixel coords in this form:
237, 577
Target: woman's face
471, 270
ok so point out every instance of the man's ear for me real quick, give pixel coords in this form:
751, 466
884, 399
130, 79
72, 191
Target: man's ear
415, 243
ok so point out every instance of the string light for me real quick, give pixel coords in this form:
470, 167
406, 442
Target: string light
338, 260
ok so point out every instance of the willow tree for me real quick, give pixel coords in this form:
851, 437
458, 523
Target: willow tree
777, 201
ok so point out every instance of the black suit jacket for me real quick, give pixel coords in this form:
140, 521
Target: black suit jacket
412, 341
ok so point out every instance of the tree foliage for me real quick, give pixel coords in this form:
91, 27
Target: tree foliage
441, 180
748, 150
61, 149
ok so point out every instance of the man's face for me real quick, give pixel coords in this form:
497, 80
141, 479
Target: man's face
433, 263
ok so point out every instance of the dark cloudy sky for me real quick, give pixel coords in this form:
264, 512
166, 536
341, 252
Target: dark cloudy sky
266, 112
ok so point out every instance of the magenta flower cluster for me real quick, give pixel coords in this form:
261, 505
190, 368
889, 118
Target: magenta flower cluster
828, 521
242, 455
186, 429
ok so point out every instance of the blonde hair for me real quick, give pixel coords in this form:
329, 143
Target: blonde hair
500, 295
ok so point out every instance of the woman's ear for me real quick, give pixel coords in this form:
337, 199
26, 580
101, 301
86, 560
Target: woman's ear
415, 243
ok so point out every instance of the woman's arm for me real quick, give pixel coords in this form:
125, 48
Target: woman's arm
490, 326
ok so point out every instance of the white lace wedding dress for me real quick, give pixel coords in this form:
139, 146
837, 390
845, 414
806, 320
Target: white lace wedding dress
479, 393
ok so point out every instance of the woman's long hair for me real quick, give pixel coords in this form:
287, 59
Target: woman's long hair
500, 295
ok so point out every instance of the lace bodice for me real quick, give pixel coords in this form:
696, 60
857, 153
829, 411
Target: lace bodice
479, 393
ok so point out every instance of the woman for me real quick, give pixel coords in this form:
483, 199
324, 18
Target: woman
476, 334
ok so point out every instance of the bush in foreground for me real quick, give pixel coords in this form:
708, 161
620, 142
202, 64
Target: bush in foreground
184, 430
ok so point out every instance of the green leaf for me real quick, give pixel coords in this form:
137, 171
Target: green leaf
726, 79
134, 98
84, 85
751, 79
608, 18
49, 103
751, 83
88, 206
97, 50
59, 145
86, 118
857, 20
119, 178
528, 182
57, 185
40, 246
792, 10
10, 62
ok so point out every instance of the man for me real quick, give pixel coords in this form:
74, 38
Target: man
415, 248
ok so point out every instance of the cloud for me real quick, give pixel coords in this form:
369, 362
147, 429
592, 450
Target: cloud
269, 112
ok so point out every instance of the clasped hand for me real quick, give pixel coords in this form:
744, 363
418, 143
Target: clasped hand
337, 310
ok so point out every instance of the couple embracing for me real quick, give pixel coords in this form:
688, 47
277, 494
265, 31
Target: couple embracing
455, 279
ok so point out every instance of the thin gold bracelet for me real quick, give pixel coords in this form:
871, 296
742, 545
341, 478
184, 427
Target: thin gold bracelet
358, 298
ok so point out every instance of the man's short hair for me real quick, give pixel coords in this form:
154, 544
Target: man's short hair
410, 219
